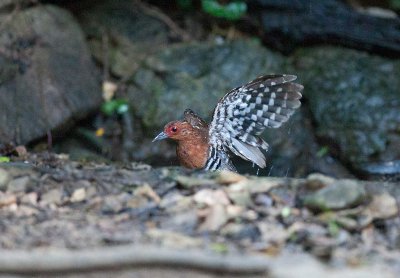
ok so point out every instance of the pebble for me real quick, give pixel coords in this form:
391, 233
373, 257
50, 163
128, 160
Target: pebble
228, 177
19, 184
4, 178
7, 199
239, 194
78, 195
317, 181
53, 196
30, 198
382, 206
239, 231
112, 204
216, 217
340, 195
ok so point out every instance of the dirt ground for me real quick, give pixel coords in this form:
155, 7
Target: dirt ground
77, 219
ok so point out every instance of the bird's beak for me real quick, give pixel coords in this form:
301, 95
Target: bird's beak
160, 136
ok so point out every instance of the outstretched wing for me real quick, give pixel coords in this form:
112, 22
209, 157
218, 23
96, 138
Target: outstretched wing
243, 114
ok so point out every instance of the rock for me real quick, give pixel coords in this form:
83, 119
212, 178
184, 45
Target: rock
29, 199
214, 218
195, 75
78, 195
21, 151
382, 207
132, 34
271, 233
228, 177
339, 195
27, 211
19, 184
47, 77
215, 215
241, 231
173, 239
53, 196
5, 3
7, 199
186, 220
4, 178
91, 191
188, 182
145, 191
115, 203
263, 185
211, 197
356, 112
239, 193
317, 181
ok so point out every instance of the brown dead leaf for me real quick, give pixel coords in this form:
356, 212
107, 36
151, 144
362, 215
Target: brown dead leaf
78, 195
215, 219
147, 191
174, 239
211, 197
228, 177
7, 199
21, 151
382, 206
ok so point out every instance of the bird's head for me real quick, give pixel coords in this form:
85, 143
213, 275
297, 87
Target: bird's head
177, 130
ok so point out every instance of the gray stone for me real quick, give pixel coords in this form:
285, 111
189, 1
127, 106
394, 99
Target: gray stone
19, 184
339, 195
12, 3
4, 178
47, 77
196, 76
53, 196
132, 34
7, 199
355, 101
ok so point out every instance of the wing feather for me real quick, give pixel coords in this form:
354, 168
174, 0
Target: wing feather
244, 113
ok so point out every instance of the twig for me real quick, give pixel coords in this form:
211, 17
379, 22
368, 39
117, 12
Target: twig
157, 13
111, 258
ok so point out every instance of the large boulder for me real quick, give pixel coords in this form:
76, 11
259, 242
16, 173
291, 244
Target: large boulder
196, 76
354, 98
122, 32
47, 77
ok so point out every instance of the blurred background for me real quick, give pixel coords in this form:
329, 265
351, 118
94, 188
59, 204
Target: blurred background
99, 79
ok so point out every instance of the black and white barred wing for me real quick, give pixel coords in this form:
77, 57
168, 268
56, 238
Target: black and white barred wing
243, 114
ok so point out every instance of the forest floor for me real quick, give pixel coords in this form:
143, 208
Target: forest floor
59, 216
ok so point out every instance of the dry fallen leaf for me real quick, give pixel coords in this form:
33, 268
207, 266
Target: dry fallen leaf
78, 195
211, 197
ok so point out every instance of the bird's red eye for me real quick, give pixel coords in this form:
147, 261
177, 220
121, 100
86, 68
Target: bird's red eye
174, 129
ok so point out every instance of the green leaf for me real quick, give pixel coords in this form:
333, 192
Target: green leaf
119, 106
395, 4
333, 228
323, 151
4, 159
286, 211
219, 247
232, 11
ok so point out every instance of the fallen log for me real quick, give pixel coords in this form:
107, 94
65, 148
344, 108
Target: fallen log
289, 24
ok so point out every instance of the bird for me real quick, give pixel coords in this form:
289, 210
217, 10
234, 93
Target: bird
238, 120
